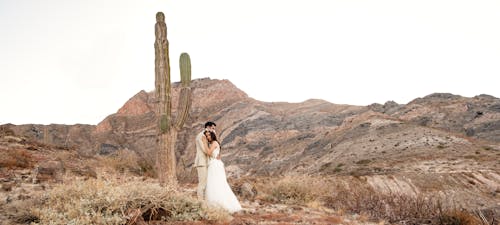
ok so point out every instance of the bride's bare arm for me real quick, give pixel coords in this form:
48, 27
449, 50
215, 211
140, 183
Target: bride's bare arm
213, 146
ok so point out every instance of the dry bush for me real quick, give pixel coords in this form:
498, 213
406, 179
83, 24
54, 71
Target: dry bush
295, 189
20, 211
245, 188
16, 158
97, 201
458, 217
355, 195
6, 131
489, 215
187, 174
358, 197
352, 197
65, 155
126, 161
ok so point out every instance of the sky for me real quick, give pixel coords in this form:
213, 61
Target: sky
78, 61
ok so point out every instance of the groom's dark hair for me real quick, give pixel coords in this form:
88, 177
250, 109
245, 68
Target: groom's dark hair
209, 124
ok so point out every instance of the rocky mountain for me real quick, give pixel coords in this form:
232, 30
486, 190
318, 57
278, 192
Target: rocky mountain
397, 147
252, 130
476, 117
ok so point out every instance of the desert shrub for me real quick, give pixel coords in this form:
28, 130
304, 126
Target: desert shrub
126, 161
146, 169
458, 217
19, 211
487, 148
6, 131
363, 161
488, 215
65, 155
97, 201
16, 158
471, 157
352, 196
329, 168
338, 168
360, 198
244, 188
295, 190
186, 172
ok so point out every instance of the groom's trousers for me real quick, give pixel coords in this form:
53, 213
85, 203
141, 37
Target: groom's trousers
202, 182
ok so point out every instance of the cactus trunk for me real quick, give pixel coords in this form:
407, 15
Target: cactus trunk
166, 161
167, 128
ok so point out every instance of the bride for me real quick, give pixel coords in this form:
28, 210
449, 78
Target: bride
218, 192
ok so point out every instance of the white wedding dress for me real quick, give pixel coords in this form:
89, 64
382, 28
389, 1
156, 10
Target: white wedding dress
218, 191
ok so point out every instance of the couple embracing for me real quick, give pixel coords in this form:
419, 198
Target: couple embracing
212, 183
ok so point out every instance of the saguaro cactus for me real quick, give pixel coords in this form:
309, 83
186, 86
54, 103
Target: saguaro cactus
167, 128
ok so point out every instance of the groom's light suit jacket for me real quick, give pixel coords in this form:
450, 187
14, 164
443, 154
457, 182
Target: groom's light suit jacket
201, 155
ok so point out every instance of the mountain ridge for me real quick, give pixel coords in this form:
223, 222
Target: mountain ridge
477, 117
393, 146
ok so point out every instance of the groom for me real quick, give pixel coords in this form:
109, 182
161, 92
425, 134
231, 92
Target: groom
201, 160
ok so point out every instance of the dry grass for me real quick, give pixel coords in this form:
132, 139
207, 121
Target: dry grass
299, 190
16, 158
351, 195
391, 207
18, 211
97, 201
126, 161
458, 217
6, 131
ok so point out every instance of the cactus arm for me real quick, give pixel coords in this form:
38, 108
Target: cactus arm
184, 103
185, 68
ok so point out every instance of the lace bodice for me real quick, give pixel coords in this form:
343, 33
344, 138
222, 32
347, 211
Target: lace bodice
215, 153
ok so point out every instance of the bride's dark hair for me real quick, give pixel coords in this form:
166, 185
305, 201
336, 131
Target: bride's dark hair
214, 137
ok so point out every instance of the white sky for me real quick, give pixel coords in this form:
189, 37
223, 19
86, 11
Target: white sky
78, 61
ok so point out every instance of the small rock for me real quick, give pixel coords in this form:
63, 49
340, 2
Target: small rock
8, 199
